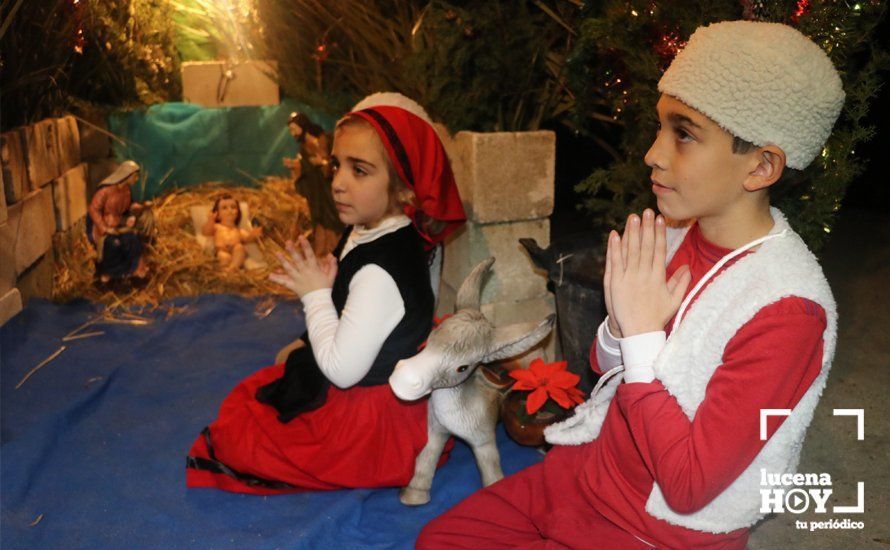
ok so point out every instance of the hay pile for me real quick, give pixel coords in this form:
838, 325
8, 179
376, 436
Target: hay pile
178, 265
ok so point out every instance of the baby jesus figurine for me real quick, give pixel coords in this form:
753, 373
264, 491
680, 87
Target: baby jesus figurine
228, 238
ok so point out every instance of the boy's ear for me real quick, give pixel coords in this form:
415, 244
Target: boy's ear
769, 168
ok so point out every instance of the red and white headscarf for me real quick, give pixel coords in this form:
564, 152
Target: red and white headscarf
419, 158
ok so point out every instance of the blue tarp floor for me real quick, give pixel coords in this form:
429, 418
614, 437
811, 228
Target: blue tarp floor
94, 443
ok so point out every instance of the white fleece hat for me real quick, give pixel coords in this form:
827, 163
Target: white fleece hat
763, 82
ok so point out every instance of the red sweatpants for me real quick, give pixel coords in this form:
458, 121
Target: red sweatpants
540, 507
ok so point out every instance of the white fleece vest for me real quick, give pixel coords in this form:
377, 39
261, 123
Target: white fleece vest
781, 267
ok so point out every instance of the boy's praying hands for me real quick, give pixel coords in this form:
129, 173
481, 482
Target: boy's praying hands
638, 299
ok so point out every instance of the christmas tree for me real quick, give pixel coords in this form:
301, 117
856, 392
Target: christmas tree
494, 65
623, 48
485, 66
592, 66
59, 56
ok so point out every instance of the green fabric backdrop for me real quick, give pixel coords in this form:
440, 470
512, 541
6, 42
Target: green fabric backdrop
231, 144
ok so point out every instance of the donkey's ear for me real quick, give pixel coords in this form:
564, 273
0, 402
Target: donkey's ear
512, 340
471, 289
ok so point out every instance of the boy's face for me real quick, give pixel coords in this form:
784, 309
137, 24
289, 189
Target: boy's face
695, 174
361, 178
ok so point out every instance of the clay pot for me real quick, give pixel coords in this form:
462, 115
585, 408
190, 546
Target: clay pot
528, 432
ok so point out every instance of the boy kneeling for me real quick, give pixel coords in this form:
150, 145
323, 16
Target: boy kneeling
707, 325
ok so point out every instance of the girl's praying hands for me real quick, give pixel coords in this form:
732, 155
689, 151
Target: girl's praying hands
301, 271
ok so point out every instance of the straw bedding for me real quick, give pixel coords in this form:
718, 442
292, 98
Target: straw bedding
178, 265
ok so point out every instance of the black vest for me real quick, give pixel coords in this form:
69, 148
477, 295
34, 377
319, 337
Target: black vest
303, 387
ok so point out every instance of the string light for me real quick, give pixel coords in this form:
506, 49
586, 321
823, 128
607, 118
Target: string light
79, 40
668, 46
801, 9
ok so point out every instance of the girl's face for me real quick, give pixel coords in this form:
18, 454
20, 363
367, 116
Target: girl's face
361, 176
228, 212
295, 129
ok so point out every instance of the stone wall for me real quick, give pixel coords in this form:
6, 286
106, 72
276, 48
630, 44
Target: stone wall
45, 181
96, 150
506, 182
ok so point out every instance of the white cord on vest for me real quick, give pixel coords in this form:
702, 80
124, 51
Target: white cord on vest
714, 269
611, 373
608, 375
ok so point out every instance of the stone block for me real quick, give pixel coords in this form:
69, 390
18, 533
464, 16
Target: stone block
30, 229
514, 276
37, 281
15, 165
217, 84
95, 142
505, 176
70, 197
8, 236
447, 297
3, 214
10, 305
69, 143
536, 309
7, 258
71, 237
521, 311
43, 152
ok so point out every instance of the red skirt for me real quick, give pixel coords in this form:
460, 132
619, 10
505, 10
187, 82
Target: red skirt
361, 437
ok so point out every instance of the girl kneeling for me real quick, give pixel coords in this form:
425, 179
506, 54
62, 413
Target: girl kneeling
327, 419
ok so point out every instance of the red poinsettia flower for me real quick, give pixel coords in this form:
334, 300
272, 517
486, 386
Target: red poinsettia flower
547, 381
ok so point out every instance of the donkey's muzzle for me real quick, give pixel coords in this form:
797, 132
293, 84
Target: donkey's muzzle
407, 384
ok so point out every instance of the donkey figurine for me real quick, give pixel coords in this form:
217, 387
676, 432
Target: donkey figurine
463, 402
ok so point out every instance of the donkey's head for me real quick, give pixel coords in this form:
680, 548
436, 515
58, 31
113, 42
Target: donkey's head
462, 342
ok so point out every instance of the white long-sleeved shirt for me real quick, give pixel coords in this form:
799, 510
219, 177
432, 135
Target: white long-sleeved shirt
345, 347
637, 353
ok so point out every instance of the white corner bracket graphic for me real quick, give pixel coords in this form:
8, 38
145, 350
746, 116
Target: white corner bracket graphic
860, 420
766, 413
860, 502
860, 486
